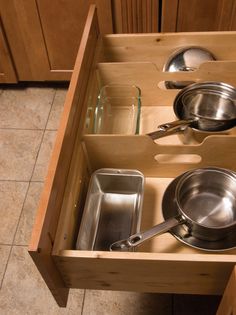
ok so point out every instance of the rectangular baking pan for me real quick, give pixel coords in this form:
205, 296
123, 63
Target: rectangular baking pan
112, 209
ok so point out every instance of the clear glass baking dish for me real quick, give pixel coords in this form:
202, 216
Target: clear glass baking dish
118, 110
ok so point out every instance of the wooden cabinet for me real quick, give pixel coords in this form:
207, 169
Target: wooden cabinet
44, 36
163, 264
135, 16
198, 15
7, 70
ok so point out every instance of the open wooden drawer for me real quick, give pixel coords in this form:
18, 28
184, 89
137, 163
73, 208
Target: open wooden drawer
163, 264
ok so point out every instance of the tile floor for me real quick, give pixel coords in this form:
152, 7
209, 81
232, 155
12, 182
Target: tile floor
29, 117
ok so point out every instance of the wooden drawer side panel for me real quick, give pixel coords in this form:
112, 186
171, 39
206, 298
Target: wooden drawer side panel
50, 205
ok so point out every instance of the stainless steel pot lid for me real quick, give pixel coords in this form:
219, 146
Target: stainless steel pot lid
169, 209
186, 59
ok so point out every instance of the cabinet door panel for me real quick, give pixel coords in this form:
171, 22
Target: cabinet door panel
7, 71
22, 26
135, 16
62, 25
198, 15
44, 35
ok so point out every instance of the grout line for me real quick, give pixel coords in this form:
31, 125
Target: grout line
44, 131
26, 194
26, 129
14, 180
30, 180
32, 173
13, 239
51, 129
22, 208
82, 307
4, 244
20, 181
5, 269
35, 129
36, 181
19, 245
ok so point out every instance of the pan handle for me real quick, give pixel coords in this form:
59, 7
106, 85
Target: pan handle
138, 238
170, 128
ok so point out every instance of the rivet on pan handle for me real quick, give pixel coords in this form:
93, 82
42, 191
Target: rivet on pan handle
171, 128
138, 238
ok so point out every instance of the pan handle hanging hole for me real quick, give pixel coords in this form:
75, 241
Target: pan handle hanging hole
135, 239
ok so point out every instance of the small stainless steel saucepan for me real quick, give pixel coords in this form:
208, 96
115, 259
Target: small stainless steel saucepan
206, 107
206, 203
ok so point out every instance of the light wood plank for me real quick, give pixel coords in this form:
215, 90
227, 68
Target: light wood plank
138, 152
150, 78
145, 272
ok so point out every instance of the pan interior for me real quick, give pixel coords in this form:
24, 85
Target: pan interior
112, 210
209, 198
209, 105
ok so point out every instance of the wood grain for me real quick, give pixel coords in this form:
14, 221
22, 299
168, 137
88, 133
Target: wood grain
62, 24
44, 36
135, 16
138, 152
163, 264
7, 69
45, 226
198, 16
145, 272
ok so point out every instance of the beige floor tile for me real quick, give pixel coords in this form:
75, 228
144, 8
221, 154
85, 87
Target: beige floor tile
24, 292
4, 254
26, 108
57, 108
126, 303
19, 149
12, 196
24, 230
43, 159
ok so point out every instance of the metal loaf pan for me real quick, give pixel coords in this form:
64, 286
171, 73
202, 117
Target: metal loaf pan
112, 209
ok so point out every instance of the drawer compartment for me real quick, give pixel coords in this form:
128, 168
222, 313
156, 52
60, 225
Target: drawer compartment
163, 264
